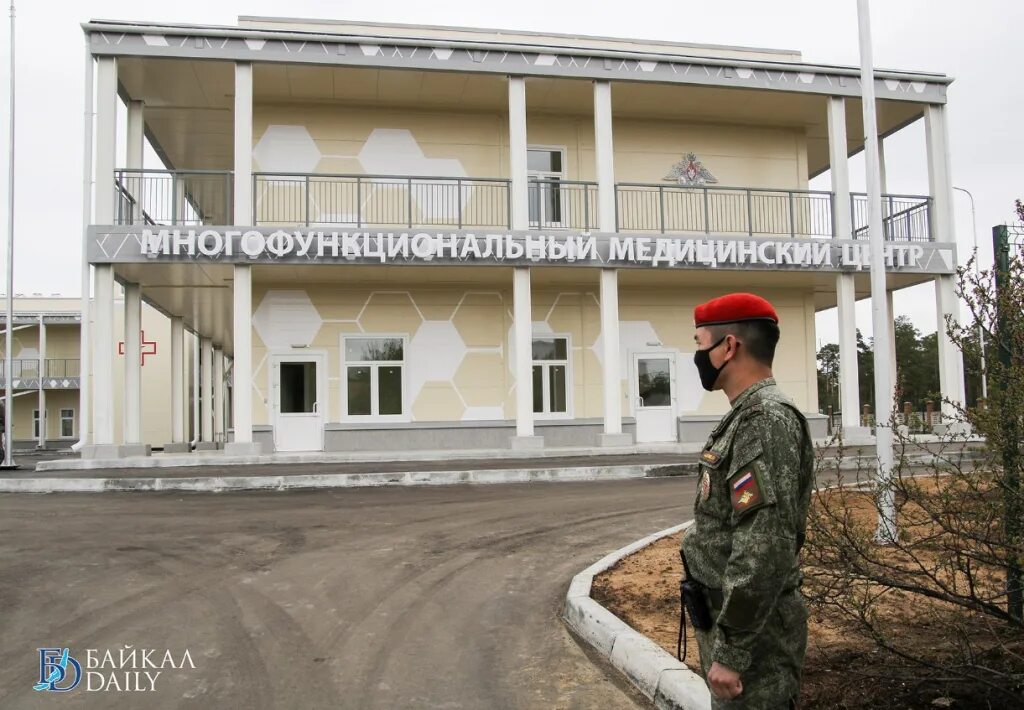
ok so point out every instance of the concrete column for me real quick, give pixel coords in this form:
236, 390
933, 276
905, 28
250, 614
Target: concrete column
106, 138
206, 441
218, 395
196, 396
243, 144
135, 128
849, 391
839, 164
522, 325
951, 374
611, 370
892, 334
518, 172
604, 152
132, 423
940, 185
241, 393
41, 441
178, 444
103, 445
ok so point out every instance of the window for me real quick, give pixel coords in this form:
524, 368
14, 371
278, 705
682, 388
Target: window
551, 375
545, 168
35, 423
373, 376
67, 422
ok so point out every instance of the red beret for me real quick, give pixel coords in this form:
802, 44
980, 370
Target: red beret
733, 307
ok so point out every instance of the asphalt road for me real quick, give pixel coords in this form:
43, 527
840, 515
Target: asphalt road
425, 597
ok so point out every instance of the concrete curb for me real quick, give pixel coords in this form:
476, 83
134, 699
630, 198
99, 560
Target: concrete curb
216, 484
668, 682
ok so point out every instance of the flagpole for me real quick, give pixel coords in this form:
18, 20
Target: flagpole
9, 340
886, 531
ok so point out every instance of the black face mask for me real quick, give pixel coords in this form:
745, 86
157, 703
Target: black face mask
708, 372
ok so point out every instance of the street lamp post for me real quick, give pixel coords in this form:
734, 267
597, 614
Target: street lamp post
886, 531
9, 341
981, 328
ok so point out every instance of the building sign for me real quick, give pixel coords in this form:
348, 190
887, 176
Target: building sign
690, 172
305, 245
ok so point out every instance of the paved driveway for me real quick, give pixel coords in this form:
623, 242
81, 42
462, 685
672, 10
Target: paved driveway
427, 597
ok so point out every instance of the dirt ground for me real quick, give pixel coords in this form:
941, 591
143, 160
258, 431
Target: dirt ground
839, 671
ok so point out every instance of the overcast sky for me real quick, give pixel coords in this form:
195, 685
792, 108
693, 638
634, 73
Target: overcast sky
975, 42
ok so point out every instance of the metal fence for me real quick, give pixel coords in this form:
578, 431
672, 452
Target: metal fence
184, 197
563, 204
645, 207
380, 200
905, 218
28, 368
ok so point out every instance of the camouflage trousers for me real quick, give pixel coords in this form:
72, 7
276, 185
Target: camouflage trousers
773, 678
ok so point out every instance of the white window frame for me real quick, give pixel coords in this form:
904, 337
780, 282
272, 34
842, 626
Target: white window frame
35, 423
405, 416
63, 419
546, 379
548, 175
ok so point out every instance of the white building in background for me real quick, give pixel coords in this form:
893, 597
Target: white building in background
398, 237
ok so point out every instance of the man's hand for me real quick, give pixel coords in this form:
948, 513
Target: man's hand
724, 682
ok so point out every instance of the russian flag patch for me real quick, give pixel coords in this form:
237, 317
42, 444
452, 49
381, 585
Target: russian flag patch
746, 492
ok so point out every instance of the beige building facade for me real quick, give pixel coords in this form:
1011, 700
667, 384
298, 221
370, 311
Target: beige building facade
394, 238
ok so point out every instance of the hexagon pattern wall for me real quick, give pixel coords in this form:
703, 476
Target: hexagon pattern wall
386, 151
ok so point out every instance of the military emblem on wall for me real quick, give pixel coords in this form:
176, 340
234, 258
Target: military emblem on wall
690, 171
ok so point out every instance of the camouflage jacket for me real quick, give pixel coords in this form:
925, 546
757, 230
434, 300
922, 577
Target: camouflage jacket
757, 472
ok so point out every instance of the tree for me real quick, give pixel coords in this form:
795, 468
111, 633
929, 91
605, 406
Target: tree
828, 377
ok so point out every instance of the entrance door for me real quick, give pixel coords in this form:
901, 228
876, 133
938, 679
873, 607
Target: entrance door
654, 397
297, 382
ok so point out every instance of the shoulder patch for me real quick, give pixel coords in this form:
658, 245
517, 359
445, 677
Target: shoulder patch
710, 457
745, 491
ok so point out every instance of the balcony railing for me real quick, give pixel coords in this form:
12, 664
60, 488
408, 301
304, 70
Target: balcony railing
366, 201
905, 218
724, 210
28, 368
186, 197
380, 200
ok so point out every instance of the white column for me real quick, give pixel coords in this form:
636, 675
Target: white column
849, 388
41, 442
178, 381
206, 394
136, 135
604, 154
243, 143
839, 165
132, 423
85, 330
951, 374
611, 370
518, 173
890, 309
218, 395
241, 393
101, 345
196, 392
522, 324
940, 185
103, 364
881, 165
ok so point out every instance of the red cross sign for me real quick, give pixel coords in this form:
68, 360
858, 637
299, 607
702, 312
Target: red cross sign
148, 347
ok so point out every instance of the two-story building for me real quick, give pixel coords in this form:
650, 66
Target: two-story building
427, 237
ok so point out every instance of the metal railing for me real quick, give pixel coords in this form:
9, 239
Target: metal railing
196, 197
642, 207
183, 197
905, 218
28, 368
380, 200
563, 204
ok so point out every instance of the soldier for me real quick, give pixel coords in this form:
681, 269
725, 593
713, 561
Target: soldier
757, 472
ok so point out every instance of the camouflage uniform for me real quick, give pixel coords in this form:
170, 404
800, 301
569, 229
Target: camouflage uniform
751, 510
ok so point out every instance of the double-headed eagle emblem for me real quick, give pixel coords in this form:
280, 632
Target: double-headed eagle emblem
690, 171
